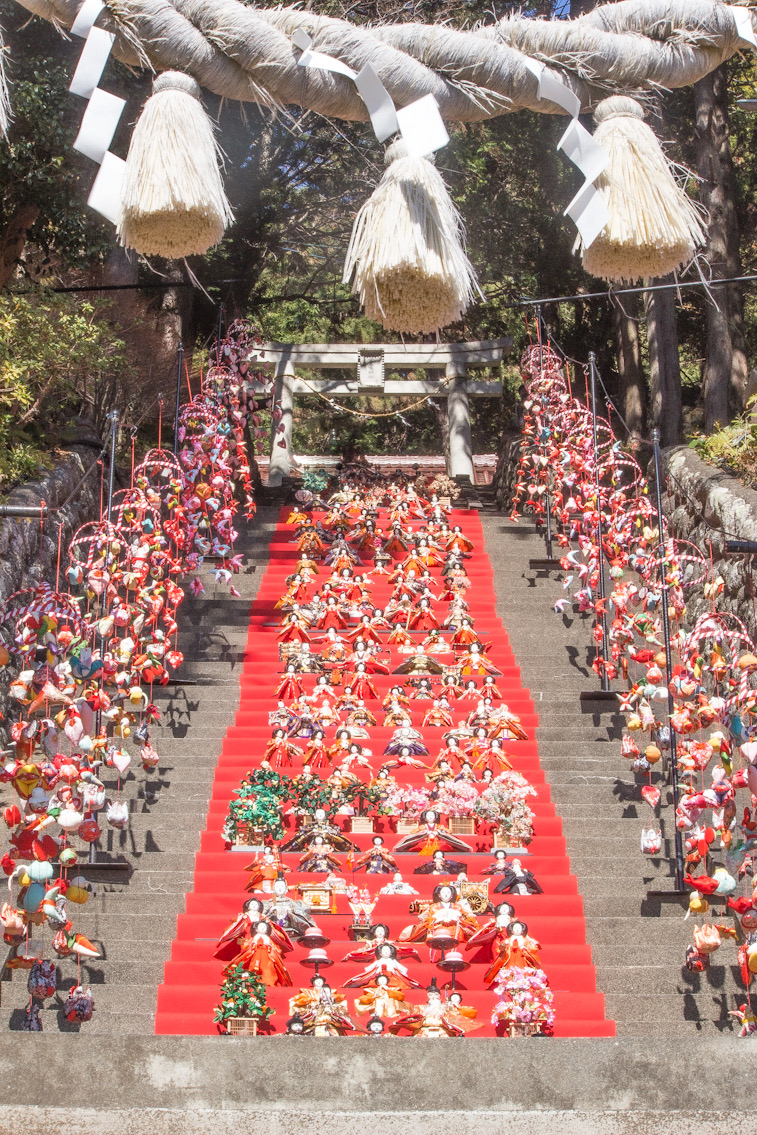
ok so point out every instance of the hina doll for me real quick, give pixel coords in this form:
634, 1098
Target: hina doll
380, 935
422, 689
423, 619
377, 860
405, 737
461, 1015
383, 999
493, 934
430, 836
490, 689
280, 750
516, 880
396, 716
290, 915
440, 771
322, 1012
360, 718
445, 924
433, 643
290, 686
506, 724
398, 886
295, 626
437, 717
396, 694
322, 689
401, 638
331, 617
365, 630
318, 859
261, 955
361, 683
385, 962
395, 544
465, 635
317, 754
319, 827
499, 866
474, 661
438, 864
404, 758
517, 951
240, 931
458, 543
429, 1020
264, 870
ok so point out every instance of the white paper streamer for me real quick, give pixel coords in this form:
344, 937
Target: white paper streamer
587, 210
379, 103
93, 58
105, 195
420, 123
99, 124
743, 20
86, 17
578, 145
422, 127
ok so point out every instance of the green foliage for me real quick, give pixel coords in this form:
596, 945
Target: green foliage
52, 351
243, 994
733, 447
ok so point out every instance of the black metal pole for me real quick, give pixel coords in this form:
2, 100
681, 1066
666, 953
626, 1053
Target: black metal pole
219, 335
180, 353
547, 495
600, 534
668, 658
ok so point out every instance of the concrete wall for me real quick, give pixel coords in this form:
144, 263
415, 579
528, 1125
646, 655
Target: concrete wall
285, 1085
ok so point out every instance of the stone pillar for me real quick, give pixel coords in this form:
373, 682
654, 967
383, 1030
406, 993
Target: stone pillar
283, 397
458, 413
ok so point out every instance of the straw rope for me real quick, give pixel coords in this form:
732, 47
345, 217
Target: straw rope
245, 53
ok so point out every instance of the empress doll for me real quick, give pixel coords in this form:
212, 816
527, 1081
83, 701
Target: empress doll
445, 924
430, 836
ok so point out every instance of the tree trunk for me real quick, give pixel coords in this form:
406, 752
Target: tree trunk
725, 368
664, 367
13, 239
633, 394
439, 406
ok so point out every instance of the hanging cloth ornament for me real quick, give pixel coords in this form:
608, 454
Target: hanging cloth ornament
654, 228
173, 201
406, 258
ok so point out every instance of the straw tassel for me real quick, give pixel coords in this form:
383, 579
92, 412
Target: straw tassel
406, 257
654, 228
173, 201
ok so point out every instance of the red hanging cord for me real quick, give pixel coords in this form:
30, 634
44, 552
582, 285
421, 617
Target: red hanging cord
57, 567
133, 443
189, 388
160, 421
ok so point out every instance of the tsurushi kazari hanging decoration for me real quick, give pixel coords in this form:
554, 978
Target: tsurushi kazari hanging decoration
710, 732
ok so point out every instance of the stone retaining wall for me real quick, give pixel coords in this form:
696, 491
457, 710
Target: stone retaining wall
28, 554
707, 506
505, 474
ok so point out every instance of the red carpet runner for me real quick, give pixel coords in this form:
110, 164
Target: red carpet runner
190, 990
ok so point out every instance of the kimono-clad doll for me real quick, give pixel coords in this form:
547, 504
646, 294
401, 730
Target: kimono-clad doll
377, 860
396, 694
322, 689
440, 865
445, 924
474, 661
365, 655
507, 724
379, 936
458, 543
464, 636
516, 880
493, 757
334, 656
319, 827
490, 689
309, 541
385, 962
515, 951
430, 1020
422, 690
318, 859
290, 686
396, 715
317, 753
365, 630
362, 686
433, 643
395, 544
359, 720
323, 1012
499, 866
281, 751
242, 928
384, 999
431, 836
295, 626
406, 737
290, 915
331, 617
437, 717
261, 955
264, 871
450, 688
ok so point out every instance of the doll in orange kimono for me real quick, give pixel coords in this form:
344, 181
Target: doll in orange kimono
261, 955
445, 924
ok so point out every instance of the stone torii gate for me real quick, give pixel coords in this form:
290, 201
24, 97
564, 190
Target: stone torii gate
369, 362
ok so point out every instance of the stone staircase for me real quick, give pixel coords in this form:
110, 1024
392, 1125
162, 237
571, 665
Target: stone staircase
132, 916
638, 942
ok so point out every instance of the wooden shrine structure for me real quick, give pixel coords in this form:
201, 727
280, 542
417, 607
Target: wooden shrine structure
368, 365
